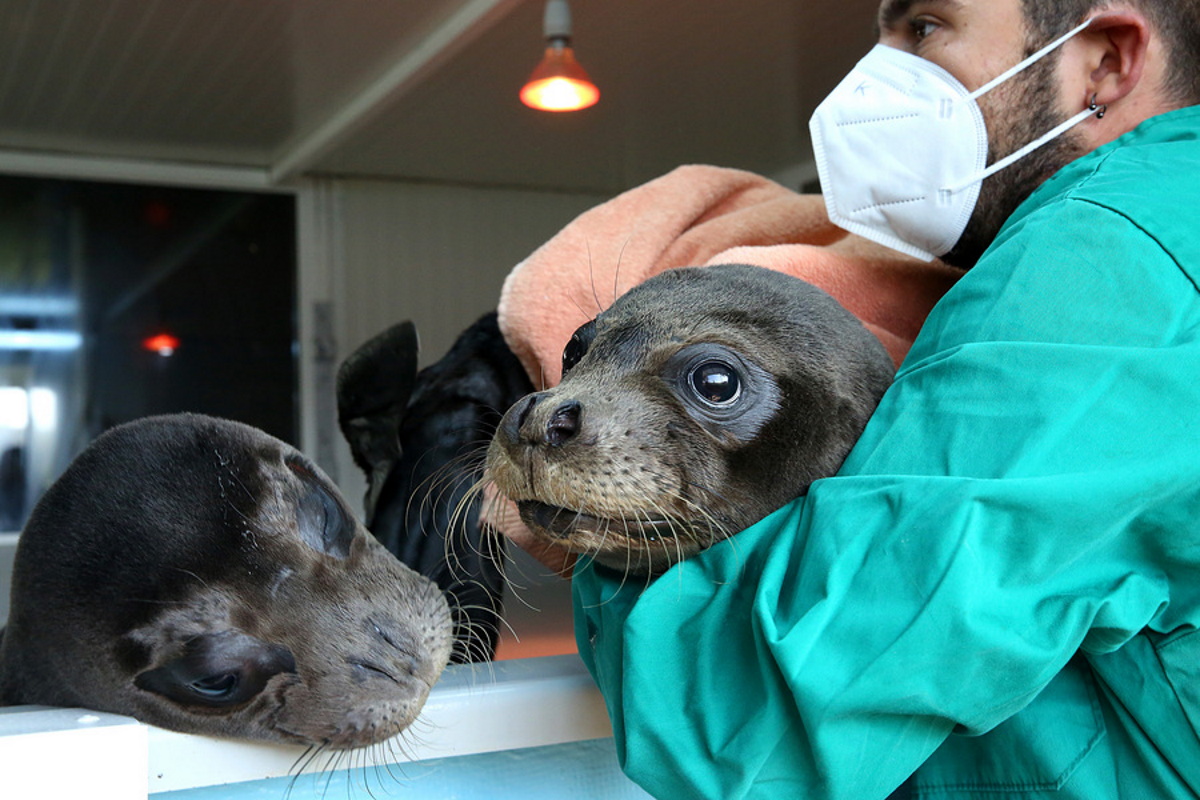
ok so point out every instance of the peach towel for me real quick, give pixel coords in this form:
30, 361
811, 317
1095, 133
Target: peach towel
698, 216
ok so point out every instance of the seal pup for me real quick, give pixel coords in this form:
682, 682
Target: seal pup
202, 576
419, 437
702, 400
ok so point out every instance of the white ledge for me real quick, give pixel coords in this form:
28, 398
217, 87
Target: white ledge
506, 705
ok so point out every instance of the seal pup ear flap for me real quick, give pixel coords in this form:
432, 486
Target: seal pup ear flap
374, 384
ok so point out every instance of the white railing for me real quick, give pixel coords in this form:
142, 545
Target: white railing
507, 705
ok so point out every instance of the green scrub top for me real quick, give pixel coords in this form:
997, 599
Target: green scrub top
1000, 589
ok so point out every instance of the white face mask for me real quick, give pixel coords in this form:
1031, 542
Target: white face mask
902, 149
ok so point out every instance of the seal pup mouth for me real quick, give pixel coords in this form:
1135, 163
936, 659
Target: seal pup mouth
563, 522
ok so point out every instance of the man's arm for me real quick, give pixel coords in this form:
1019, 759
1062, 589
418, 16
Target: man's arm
1006, 507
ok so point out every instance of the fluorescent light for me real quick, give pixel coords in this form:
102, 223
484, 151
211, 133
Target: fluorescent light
40, 340
43, 408
39, 306
14, 408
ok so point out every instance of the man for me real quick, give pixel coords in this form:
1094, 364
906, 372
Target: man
999, 594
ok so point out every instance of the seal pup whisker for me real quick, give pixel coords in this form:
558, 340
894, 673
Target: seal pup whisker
300, 766
444, 507
327, 771
599, 549
471, 501
617, 269
380, 762
381, 773
447, 480
444, 481
703, 518
360, 774
514, 571
583, 314
504, 622
473, 644
672, 552
723, 533
449, 476
492, 508
592, 280
393, 752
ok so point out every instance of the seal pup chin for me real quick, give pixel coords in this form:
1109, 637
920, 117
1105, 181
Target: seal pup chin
698, 403
202, 576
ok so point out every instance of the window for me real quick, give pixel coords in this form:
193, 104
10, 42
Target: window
121, 301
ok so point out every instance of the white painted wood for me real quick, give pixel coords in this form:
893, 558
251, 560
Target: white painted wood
135, 170
504, 706
70, 753
319, 252
8, 550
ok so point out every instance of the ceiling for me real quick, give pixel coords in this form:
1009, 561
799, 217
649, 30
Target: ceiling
416, 89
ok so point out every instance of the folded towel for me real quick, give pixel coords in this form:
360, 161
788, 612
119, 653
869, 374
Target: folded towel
698, 216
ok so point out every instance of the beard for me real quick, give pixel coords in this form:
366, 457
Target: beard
1015, 114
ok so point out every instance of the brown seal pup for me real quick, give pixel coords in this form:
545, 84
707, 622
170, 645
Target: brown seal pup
200, 575
698, 403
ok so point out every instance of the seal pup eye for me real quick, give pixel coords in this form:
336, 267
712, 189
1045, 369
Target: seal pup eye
216, 687
218, 670
724, 391
577, 348
716, 383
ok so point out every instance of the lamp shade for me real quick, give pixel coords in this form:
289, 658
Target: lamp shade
162, 343
558, 83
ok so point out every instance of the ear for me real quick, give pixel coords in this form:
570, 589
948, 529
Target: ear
1115, 47
374, 384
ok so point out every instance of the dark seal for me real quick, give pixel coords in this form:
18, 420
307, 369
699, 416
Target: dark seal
419, 436
202, 576
698, 403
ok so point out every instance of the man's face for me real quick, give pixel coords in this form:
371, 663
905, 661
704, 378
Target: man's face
976, 40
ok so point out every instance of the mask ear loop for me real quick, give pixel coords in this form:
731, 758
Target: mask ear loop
1016, 68
1034, 145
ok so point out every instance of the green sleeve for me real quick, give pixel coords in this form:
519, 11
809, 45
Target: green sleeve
1027, 490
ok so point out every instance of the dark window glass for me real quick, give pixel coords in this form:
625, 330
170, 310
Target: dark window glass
121, 301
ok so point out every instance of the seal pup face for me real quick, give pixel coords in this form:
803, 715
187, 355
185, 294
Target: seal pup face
202, 576
699, 402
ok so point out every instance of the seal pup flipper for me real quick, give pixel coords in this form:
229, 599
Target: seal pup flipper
424, 510
203, 576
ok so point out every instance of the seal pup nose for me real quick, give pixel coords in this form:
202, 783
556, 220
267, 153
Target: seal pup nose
563, 423
515, 418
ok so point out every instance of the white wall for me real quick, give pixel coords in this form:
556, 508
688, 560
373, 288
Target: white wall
384, 251
437, 254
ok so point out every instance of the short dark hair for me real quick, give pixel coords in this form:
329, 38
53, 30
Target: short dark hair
1176, 21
